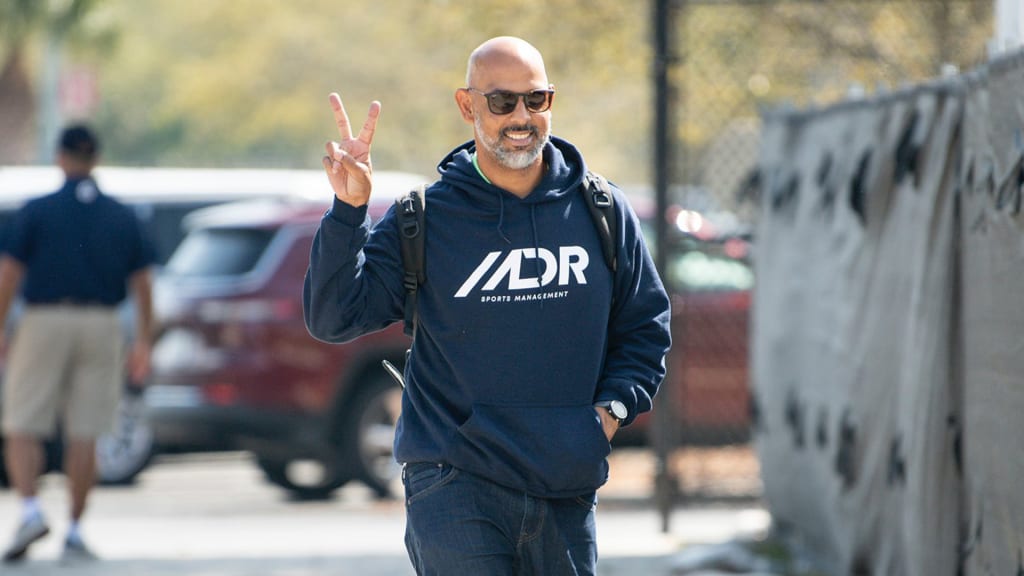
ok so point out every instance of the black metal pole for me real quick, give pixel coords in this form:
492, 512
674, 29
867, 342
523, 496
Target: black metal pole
664, 421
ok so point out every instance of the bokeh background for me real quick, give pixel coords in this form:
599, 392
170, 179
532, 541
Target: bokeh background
244, 84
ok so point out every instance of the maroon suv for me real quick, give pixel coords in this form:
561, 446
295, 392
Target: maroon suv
234, 366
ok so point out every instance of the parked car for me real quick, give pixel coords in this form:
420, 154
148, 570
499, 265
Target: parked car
709, 278
161, 197
234, 366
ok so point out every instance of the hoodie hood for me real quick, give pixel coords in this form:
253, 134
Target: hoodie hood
565, 170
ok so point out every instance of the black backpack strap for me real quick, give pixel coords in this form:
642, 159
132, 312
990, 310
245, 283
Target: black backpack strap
410, 213
602, 208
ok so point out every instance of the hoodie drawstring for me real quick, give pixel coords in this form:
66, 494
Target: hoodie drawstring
501, 219
536, 244
533, 226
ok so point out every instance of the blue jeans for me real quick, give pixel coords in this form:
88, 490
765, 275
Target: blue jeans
459, 524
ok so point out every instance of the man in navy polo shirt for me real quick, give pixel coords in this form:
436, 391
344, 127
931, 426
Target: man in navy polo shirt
74, 254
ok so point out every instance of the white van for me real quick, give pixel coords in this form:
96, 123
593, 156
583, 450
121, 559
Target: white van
162, 196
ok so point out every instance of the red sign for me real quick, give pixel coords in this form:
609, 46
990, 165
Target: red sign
79, 92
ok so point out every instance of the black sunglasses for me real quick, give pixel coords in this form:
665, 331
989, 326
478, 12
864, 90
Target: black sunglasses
503, 102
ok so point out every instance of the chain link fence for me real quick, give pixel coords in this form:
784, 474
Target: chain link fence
733, 60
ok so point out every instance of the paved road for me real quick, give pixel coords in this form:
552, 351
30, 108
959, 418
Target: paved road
214, 515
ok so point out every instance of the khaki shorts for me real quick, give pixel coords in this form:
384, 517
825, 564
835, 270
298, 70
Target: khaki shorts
67, 361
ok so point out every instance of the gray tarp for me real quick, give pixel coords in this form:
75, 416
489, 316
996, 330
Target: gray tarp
993, 319
853, 316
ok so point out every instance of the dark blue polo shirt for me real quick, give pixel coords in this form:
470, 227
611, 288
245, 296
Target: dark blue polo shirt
78, 246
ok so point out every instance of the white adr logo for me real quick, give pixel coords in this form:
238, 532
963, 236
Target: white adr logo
570, 264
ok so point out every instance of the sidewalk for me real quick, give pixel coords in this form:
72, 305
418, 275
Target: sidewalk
217, 517
630, 539
630, 545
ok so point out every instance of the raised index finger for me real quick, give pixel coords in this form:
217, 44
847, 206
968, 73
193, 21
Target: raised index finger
340, 117
370, 126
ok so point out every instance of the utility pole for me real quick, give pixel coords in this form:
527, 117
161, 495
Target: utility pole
49, 118
666, 425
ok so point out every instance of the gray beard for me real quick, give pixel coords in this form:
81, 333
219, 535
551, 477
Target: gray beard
512, 159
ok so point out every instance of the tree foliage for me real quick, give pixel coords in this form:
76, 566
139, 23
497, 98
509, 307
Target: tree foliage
245, 83
219, 83
22, 21
740, 58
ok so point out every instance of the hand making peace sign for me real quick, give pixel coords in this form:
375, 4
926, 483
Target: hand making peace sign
347, 162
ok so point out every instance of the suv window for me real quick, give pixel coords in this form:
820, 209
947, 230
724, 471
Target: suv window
162, 222
695, 271
698, 266
219, 252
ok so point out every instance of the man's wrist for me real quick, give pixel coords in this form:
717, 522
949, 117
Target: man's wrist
348, 214
616, 409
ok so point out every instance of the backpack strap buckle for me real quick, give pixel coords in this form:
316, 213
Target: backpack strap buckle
602, 209
410, 225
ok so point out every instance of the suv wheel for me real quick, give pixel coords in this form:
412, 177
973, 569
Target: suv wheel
305, 479
121, 455
369, 434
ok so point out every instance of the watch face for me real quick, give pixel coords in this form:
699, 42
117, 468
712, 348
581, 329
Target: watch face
618, 409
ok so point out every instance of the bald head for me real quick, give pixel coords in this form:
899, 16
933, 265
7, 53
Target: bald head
504, 53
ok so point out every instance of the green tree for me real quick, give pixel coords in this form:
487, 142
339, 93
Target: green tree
738, 59
20, 22
257, 97
230, 83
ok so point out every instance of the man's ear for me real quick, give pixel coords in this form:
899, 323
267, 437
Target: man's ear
464, 100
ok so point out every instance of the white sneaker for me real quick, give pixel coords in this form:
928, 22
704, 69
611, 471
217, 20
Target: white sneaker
76, 551
30, 530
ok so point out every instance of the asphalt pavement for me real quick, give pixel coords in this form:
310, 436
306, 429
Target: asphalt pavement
215, 515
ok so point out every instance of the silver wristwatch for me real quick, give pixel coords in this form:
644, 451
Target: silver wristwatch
615, 408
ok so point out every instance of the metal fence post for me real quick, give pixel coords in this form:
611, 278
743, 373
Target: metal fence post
664, 420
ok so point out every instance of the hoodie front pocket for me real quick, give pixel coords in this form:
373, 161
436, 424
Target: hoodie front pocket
546, 450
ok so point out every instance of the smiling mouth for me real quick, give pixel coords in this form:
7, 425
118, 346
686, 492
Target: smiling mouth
519, 134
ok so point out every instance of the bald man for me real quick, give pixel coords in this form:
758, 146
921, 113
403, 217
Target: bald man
529, 351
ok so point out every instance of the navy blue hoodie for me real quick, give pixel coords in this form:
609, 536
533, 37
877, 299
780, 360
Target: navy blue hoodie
504, 369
